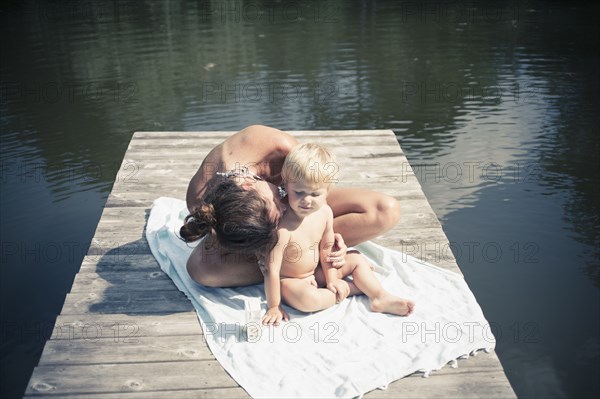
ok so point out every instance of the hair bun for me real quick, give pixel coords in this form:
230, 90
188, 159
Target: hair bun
200, 222
206, 214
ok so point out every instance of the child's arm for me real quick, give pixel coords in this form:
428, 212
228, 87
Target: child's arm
275, 312
334, 283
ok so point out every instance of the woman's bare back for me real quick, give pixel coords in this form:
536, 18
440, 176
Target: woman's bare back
260, 148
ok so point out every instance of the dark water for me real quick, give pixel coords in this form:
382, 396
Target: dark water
495, 104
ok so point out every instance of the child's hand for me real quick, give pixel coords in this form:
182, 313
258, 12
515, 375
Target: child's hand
340, 288
338, 252
274, 315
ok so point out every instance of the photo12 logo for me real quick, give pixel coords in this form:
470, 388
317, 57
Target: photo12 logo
455, 92
37, 171
68, 92
269, 92
460, 12
472, 172
82, 12
467, 331
237, 11
474, 252
37, 331
290, 332
67, 252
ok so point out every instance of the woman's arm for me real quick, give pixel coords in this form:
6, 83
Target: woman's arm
275, 312
326, 245
264, 149
260, 148
334, 283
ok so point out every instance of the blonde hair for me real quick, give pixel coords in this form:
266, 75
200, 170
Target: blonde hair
311, 163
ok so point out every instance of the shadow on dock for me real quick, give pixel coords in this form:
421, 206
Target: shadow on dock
123, 279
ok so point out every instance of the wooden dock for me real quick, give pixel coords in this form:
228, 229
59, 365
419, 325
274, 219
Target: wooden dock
125, 331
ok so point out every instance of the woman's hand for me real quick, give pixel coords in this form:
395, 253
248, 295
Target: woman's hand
274, 316
338, 251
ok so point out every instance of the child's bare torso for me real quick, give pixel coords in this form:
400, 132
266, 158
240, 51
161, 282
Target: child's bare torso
301, 255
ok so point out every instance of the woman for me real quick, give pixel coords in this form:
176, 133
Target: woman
242, 176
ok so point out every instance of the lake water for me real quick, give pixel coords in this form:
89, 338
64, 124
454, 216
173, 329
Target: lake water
495, 104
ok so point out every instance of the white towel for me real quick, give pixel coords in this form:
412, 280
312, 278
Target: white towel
344, 351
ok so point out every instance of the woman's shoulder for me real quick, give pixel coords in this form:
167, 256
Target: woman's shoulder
264, 137
262, 130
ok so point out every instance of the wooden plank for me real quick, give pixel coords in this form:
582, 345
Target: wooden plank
174, 135
124, 280
481, 376
128, 377
130, 233
185, 146
123, 326
116, 249
120, 301
224, 393
475, 377
119, 263
124, 348
383, 152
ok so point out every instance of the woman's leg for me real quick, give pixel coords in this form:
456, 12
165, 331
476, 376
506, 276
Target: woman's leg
360, 214
210, 266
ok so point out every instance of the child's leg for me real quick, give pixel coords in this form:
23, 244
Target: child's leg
344, 271
305, 296
381, 300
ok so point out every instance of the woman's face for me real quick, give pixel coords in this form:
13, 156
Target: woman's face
270, 193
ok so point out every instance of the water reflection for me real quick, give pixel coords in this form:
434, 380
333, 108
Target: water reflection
494, 104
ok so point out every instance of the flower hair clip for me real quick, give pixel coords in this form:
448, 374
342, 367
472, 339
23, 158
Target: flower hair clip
242, 172
282, 192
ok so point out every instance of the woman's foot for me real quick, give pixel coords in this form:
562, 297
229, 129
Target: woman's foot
388, 303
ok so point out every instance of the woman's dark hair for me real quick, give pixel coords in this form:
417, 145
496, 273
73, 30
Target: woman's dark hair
238, 218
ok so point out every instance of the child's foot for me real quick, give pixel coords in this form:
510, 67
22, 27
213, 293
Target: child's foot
388, 303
